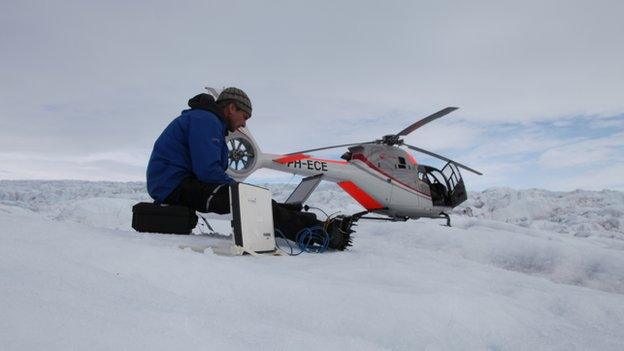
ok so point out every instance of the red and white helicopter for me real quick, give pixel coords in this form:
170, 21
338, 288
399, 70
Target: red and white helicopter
383, 177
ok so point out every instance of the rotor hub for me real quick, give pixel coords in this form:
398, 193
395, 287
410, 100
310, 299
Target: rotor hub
237, 155
391, 139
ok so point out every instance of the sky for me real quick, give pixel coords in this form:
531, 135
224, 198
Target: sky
89, 85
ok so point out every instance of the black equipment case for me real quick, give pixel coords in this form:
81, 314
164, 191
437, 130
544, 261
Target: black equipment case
158, 218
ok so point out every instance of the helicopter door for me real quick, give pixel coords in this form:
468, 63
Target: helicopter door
437, 186
456, 189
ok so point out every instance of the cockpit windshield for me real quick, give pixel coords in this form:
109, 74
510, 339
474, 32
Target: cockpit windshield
447, 186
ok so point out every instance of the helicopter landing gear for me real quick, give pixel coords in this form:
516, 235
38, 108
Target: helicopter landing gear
360, 215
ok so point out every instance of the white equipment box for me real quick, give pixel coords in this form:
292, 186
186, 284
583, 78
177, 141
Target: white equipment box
252, 217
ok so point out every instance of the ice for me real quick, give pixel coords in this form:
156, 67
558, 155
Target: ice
596, 214
521, 270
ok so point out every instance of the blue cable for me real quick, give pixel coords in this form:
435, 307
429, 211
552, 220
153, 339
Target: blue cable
312, 240
309, 239
290, 247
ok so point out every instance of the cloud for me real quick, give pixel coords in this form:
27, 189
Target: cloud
83, 85
115, 166
599, 178
585, 153
617, 123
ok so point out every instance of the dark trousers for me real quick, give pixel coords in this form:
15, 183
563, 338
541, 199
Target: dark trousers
195, 194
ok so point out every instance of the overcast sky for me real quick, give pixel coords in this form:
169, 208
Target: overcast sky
87, 86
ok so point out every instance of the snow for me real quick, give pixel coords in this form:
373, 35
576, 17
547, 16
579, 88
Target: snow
519, 270
578, 213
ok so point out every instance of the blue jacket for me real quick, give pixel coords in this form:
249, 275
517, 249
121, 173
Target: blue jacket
192, 145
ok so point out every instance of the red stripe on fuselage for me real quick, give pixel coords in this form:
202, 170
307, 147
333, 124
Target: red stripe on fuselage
329, 161
360, 196
299, 157
291, 158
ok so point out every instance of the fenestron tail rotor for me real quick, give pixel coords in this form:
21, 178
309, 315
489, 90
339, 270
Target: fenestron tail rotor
241, 154
244, 155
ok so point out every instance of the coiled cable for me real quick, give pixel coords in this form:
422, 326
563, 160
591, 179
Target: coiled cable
311, 240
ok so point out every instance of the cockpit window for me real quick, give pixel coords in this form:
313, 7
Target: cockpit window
402, 164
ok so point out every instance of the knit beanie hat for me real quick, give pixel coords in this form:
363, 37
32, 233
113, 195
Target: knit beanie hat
238, 96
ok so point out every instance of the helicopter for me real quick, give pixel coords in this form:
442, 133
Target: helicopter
380, 174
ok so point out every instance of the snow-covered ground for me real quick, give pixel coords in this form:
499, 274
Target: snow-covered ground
519, 270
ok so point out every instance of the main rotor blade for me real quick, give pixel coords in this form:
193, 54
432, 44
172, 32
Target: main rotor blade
426, 120
443, 158
328, 147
